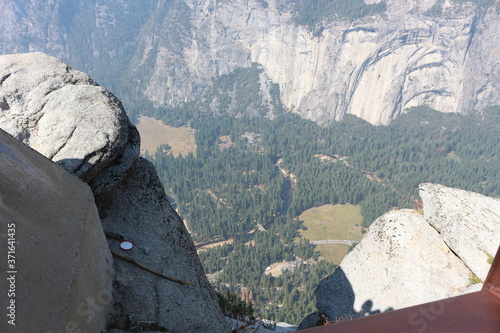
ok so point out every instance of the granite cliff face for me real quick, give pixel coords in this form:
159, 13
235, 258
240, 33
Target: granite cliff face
374, 67
408, 258
68, 118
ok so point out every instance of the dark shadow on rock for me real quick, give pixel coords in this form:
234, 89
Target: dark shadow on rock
335, 302
73, 165
101, 175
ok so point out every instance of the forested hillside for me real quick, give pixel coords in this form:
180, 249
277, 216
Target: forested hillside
239, 186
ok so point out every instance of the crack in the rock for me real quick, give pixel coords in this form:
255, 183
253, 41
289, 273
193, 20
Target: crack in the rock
64, 144
5, 77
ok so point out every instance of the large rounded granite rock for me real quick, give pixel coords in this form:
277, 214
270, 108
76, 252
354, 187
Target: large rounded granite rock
402, 261
63, 114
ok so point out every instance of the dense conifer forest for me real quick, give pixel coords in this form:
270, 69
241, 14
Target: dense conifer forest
252, 177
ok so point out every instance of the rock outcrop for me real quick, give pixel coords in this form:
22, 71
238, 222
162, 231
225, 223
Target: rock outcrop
439, 53
138, 209
67, 117
58, 275
408, 258
468, 222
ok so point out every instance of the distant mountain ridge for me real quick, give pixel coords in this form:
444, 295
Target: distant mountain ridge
433, 52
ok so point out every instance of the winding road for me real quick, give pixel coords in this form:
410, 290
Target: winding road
334, 241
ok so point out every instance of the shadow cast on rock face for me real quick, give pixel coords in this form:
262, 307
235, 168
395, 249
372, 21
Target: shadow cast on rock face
335, 299
102, 176
105, 179
74, 165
